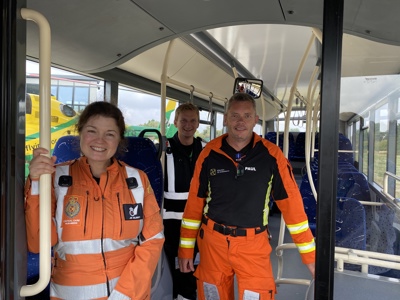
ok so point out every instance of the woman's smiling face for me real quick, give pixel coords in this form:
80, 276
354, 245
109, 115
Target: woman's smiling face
100, 137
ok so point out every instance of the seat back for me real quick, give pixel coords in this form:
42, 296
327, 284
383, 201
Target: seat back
67, 148
271, 136
350, 224
353, 185
139, 152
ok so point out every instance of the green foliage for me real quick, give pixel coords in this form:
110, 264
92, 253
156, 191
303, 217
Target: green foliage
152, 123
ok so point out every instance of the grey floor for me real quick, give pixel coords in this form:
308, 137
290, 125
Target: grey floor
292, 268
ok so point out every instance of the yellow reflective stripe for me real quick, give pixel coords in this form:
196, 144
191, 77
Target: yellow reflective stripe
298, 228
187, 242
191, 224
266, 203
306, 247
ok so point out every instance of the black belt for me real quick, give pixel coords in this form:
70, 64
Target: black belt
231, 230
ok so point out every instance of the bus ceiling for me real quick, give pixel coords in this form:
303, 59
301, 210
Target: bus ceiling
265, 44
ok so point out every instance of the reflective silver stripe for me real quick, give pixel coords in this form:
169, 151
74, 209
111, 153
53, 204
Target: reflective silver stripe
159, 235
172, 215
298, 228
191, 224
91, 246
171, 194
187, 242
175, 196
306, 247
171, 172
138, 193
35, 187
82, 292
60, 193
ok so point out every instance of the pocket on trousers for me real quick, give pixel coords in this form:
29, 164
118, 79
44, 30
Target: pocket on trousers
264, 287
208, 276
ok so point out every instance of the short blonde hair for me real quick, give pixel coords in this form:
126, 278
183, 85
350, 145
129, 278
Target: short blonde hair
241, 97
186, 107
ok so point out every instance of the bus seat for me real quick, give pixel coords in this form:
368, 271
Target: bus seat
139, 152
299, 149
345, 144
381, 235
353, 185
350, 224
310, 207
346, 167
271, 136
309, 202
66, 148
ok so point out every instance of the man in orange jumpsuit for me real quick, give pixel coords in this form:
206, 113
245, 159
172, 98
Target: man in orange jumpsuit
227, 210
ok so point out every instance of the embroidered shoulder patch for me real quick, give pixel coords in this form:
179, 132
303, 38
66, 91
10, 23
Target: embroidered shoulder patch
73, 207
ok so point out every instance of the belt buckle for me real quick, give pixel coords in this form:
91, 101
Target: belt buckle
225, 230
233, 232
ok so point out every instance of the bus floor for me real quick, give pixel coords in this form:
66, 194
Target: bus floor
292, 265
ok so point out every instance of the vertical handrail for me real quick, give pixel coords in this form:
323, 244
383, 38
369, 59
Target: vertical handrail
158, 271
44, 138
293, 89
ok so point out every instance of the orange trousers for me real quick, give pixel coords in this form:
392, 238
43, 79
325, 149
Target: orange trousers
224, 256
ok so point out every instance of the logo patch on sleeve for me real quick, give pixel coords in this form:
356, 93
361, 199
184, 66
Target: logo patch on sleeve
133, 211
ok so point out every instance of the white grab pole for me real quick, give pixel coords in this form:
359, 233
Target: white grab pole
44, 138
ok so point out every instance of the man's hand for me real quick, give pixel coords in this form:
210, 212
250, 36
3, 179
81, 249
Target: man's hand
311, 267
186, 265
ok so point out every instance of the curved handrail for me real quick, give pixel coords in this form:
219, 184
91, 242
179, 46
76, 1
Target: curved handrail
281, 236
45, 180
386, 185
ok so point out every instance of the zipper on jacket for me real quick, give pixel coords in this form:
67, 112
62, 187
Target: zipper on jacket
86, 212
102, 239
102, 247
120, 215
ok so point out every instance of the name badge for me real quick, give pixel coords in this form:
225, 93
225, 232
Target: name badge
133, 211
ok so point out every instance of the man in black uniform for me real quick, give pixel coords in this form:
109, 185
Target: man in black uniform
181, 155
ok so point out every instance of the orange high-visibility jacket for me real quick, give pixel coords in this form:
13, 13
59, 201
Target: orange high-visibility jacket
107, 237
218, 192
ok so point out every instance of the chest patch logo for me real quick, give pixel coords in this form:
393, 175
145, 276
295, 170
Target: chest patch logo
133, 211
213, 172
73, 207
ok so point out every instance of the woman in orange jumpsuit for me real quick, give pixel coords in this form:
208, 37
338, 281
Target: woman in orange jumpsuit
107, 231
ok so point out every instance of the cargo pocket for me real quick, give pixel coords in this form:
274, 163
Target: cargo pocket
209, 281
259, 288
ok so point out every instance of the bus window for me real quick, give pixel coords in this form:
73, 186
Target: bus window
380, 143
219, 124
204, 130
365, 145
